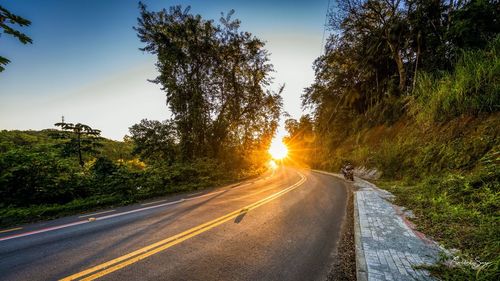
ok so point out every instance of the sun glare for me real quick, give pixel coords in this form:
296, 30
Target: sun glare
278, 149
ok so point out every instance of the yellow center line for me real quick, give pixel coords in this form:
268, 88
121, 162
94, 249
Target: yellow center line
135, 256
9, 230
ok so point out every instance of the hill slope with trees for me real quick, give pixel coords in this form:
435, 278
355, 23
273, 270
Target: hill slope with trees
412, 88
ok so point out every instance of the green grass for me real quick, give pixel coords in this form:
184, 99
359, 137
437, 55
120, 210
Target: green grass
473, 87
16, 215
482, 272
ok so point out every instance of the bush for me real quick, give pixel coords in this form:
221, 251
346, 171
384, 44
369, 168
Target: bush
160, 179
29, 177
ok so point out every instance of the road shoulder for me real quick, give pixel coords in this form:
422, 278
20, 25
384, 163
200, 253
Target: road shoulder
344, 265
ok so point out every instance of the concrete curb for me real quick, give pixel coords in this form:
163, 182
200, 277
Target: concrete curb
361, 267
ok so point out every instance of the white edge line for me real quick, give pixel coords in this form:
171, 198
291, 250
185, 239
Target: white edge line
43, 230
205, 195
242, 185
139, 210
154, 202
86, 221
93, 214
195, 193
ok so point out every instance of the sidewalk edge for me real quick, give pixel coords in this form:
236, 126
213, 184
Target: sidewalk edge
361, 270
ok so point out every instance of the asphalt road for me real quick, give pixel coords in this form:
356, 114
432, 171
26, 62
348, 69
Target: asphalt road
282, 226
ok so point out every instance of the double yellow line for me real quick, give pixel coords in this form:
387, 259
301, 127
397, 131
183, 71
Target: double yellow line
135, 256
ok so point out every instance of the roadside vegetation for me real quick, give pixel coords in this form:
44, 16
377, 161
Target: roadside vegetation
216, 80
412, 88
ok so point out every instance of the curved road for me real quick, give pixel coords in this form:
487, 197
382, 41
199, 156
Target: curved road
281, 226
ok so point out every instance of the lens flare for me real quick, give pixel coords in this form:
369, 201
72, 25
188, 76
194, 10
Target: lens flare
278, 149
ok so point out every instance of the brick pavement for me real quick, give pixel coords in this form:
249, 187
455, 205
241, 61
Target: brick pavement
387, 248
387, 245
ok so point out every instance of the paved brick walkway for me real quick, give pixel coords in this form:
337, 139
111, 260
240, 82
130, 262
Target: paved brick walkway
388, 247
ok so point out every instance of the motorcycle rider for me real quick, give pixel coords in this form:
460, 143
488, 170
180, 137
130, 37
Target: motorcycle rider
348, 171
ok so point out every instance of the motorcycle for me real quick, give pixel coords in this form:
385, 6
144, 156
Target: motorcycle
348, 172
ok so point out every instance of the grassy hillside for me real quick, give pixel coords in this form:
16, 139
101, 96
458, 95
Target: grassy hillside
449, 174
442, 160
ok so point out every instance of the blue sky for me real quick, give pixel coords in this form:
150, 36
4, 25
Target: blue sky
84, 62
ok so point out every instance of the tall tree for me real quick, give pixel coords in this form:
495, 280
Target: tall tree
78, 139
7, 19
383, 19
215, 78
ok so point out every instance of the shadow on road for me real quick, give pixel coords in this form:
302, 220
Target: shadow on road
239, 218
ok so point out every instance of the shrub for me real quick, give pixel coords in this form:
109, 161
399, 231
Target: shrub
29, 177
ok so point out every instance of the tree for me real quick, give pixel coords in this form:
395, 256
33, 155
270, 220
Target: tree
154, 140
7, 19
215, 78
382, 19
381, 49
475, 24
78, 139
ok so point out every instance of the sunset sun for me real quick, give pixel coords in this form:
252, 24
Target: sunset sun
278, 149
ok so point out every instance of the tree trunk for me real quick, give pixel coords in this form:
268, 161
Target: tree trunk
416, 61
401, 67
80, 151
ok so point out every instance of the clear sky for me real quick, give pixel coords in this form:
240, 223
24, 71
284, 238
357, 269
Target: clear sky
84, 62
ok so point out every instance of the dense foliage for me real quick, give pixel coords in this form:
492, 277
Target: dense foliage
36, 169
300, 140
412, 89
370, 64
215, 78
155, 141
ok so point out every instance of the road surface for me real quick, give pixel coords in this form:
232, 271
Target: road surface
282, 226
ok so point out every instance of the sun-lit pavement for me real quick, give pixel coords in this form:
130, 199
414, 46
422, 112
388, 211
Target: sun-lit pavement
283, 226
